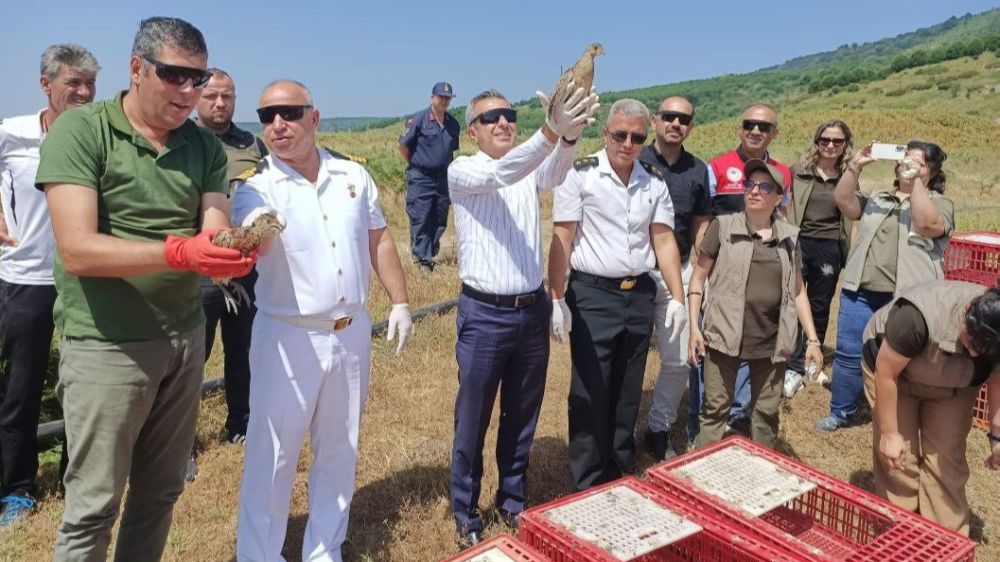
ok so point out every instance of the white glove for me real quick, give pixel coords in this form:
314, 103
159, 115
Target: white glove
562, 320
589, 105
564, 114
676, 319
401, 323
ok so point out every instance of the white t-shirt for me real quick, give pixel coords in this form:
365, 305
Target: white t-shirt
24, 207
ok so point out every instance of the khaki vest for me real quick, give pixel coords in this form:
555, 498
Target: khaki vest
944, 362
918, 258
727, 286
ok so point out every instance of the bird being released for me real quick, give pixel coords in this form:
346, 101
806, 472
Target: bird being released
246, 239
580, 74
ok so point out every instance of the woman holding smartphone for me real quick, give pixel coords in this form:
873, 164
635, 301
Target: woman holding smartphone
752, 312
900, 242
824, 234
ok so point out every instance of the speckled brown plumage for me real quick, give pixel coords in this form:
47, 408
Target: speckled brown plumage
581, 74
246, 239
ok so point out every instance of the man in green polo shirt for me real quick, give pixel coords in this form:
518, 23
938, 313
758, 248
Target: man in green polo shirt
136, 191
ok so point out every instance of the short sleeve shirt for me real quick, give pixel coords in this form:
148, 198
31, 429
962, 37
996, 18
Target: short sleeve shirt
431, 144
687, 182
142, 195
612, 237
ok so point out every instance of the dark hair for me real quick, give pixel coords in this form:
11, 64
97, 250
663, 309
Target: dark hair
934, 157
982, 325
156, 32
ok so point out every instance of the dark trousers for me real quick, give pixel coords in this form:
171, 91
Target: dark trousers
236, 328
821, 261
427, 205
25, 339
608, 345
505, 349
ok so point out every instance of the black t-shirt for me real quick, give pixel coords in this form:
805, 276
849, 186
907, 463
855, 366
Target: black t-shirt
687, 181
821, 217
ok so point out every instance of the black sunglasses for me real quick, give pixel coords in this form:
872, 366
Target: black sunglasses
287, 113
827, 141
492, 116
669, 116
621, 136
762, 126
765, 187
179, 75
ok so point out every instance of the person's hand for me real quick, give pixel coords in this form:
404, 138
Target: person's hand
589, 105
562, 320
890, 450
400, 323
561, 115
198, 254
862, 157
5, 238
676, 319
993, 461
814, 356
696, 346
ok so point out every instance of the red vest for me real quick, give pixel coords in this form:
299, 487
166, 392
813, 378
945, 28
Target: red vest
728, 170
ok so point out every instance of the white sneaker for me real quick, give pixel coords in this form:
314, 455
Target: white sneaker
793, 382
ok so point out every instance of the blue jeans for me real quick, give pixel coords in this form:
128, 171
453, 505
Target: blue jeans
856, 309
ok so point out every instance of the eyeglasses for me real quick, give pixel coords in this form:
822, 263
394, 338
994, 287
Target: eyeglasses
827, 141
621, 136
765, 187
763, 126
492, 116
179, 75
669, 116
287, 113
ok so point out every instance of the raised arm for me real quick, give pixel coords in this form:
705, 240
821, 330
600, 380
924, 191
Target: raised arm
927, 221
845, 193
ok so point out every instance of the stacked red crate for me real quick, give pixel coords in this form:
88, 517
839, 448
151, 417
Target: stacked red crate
804, 512
501, 548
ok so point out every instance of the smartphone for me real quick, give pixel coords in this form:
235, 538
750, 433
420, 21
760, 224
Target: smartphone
883, 151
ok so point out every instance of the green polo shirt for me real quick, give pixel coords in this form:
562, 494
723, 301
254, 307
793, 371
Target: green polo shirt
141, 195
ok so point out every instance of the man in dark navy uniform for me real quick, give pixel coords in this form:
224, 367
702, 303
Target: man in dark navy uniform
428, 143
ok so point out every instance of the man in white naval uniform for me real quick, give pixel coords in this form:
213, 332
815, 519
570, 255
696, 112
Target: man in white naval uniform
311, 343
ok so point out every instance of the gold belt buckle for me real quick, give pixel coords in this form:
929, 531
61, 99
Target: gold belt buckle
341, 323
628, 284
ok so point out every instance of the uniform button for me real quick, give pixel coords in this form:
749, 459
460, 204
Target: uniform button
340, 272
342, 299
334, 244
324, 217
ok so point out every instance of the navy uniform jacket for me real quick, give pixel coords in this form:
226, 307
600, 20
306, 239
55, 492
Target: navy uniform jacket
431, 146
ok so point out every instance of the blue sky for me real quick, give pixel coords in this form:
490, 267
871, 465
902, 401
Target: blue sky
381, 58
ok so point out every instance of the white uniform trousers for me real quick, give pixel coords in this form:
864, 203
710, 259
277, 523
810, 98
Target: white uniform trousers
302, 379
672, 381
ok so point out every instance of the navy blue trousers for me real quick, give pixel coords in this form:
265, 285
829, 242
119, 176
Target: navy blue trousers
506, 350
427, 205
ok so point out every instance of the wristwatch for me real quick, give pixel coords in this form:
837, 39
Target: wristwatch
994, 438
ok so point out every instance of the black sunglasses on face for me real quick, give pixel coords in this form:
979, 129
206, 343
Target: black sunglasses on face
669, 116
493, 116
763, 126
179, 75
621, 136
765, 187
287, 113
827, 141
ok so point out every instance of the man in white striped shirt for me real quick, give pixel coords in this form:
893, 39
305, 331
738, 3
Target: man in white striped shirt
503, 313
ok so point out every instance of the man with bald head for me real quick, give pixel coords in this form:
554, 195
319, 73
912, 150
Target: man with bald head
311, 347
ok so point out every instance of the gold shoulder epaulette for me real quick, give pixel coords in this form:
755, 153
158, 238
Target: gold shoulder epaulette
252, 171
343, 156
585, 162
651, 169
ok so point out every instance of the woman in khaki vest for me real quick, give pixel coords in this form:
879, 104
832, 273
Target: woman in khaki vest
753, 309
901, 236
924, 358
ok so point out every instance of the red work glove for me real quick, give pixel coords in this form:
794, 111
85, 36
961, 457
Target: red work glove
198, 254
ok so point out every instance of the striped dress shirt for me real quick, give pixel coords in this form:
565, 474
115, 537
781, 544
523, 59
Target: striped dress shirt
497, 213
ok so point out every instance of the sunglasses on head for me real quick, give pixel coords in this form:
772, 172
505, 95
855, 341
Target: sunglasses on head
762, 126
827, 141
669, 116
621, 136
287, 113
493, 116
179, 75
765, 187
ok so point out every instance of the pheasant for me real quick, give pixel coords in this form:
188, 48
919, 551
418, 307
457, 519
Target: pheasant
581, 74
246, 239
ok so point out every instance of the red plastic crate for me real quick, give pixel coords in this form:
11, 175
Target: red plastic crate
500, 548
974, 257
717, 540
832, 521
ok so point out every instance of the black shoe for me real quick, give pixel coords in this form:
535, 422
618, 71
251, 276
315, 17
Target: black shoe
740, 426
658, 444
469, 539
509, 519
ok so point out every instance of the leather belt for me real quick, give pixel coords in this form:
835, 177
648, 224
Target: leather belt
616, 283
510, 301
312, 323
